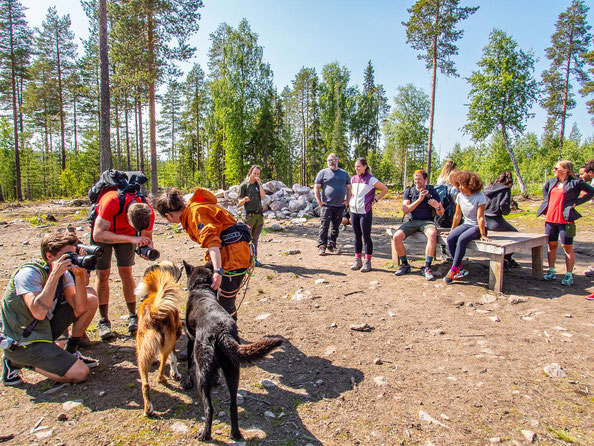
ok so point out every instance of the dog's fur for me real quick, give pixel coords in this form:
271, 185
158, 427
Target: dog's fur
213, 344
159, 325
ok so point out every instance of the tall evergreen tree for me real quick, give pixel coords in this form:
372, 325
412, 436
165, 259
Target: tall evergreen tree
502, 93
105, 159
569, 44
432, 29
15, 41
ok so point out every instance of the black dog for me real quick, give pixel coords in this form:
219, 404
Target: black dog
213, 344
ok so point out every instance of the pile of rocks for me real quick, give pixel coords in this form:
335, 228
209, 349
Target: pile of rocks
281, 202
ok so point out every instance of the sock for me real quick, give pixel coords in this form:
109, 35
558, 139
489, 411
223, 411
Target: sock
403, 260
72, 344
103, 311
131, 307
358, 255
428, 260
367, 256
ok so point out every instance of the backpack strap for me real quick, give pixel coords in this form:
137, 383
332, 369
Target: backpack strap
122, 195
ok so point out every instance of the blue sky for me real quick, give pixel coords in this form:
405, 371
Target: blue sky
312, 33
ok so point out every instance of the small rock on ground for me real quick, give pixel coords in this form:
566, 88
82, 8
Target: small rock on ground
554, 370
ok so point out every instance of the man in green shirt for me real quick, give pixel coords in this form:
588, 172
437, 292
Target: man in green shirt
251, 194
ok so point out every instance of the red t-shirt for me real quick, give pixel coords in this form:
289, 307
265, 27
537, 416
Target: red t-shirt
555, 209
109, 206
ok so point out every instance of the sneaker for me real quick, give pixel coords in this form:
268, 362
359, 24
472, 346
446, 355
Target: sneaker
357, 264
589, 273
511, 263
105, 332
428, 274
450, 276
334, 249
84, 341
258, 263
567, 279
404, 269
366, 266
322, 251
10, 374
461, 273
590, 297
550, 276
132, 323
89, 362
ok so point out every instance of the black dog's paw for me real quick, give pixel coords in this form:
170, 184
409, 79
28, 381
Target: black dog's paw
187, 383
204, 435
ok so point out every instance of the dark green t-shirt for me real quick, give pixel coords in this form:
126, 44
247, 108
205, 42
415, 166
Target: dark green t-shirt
251, 190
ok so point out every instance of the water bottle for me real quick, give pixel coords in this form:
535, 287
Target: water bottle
7, 343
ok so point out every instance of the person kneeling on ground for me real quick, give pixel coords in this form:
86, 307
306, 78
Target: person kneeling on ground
41, 300
470, 203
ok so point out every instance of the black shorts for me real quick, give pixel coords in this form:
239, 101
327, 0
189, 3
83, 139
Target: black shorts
556, 231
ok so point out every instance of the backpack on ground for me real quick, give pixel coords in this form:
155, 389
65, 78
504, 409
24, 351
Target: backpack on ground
446, 197
125, 183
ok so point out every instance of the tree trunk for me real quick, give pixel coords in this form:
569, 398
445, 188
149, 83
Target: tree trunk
151, 100
432, 112
140, 138
136, 132
513, 160
74, 115
15, 116
197, 129
118, 142
61, 98
127, 134
405, 169
565, 95
105, 160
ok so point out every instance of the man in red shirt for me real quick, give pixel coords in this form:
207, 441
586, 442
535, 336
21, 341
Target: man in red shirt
120, 231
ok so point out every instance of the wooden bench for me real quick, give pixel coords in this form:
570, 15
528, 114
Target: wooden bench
501, 243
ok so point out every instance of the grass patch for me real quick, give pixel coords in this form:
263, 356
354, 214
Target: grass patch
270, 276
260, 291
562, 434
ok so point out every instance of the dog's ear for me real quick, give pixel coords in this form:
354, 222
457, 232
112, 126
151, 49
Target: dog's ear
208, 265
189, 268
178, 272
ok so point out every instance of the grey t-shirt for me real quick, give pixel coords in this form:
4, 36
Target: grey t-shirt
469, 206
334, 182
30, 280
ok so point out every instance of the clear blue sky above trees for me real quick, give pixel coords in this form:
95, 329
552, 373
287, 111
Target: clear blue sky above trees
312, 33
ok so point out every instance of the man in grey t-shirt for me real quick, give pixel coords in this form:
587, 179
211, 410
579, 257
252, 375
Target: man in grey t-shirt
333, 192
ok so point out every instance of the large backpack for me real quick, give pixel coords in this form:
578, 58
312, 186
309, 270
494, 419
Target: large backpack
446, 197
125, 183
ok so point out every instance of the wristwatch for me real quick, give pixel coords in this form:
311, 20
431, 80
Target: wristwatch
221, 271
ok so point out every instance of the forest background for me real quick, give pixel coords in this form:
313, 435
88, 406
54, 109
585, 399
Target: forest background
208, 125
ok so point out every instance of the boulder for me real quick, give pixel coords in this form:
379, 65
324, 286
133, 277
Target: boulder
297, 205
277, 205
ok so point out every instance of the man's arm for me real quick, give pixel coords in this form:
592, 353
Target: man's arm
317, 187
102, 234
76, 295
40, 302
349, 193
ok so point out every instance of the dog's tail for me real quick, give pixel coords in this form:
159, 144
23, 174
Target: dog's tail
248, 353
168, 295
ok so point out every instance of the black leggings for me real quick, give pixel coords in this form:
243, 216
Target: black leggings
362, 228
499, 224
230, 286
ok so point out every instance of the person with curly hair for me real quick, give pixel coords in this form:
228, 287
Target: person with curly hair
561, 195
471, 204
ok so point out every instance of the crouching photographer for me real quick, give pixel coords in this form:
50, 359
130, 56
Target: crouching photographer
42, 299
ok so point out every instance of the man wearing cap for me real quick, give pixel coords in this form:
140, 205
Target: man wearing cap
333, 192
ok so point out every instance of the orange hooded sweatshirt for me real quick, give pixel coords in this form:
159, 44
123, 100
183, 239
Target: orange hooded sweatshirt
204, 220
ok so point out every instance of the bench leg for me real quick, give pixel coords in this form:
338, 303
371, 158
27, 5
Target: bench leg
537, 262
496, 273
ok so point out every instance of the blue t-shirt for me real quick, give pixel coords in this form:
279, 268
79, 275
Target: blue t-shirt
424, 211
334, 186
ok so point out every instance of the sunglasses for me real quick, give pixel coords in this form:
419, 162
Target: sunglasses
333, 160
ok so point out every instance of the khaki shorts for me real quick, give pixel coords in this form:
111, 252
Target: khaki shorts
124, 253
412, 226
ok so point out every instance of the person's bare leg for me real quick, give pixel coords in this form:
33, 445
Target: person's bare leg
398, 243
569, 257
552, 254
76, 374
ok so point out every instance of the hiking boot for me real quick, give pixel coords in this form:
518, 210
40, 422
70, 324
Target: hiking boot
450, 276
357, 264
322, 251
334, 249
366, 266
132, 323
567, 279
89, 362
428, 274
404, 269
10, 374
258, 263
550, 276
461, 273
84, 341
105, 332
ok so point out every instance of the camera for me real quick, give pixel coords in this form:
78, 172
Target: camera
7, 343
150, 253
89, 260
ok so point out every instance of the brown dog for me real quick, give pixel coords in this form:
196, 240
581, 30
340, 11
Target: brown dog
159, 325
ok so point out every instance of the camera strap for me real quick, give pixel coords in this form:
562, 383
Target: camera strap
58, 297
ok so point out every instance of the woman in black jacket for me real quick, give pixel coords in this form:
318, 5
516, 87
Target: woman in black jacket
499, 204
561, 196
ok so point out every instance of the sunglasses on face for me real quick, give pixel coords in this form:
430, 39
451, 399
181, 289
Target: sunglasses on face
333, 160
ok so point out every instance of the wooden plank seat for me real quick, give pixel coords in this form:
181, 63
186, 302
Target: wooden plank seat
501, 243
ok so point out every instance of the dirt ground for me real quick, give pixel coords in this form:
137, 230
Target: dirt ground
440, 365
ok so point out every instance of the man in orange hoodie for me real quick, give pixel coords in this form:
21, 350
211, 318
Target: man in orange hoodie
213, 228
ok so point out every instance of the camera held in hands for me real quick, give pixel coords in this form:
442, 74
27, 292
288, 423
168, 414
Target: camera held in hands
150, 253
89, 260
